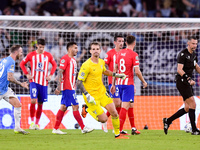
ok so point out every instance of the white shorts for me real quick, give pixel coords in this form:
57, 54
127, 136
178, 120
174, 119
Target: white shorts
8, 94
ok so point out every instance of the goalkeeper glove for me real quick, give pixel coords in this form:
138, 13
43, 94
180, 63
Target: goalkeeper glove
122, 76
90, 99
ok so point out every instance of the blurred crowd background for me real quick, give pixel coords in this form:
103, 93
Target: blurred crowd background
112, 8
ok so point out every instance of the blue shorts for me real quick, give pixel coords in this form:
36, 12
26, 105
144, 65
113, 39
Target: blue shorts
126, 93
38, 91
69, 98
116, 94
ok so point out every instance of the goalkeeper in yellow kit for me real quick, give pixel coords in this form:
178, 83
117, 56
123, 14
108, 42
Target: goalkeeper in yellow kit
94, 92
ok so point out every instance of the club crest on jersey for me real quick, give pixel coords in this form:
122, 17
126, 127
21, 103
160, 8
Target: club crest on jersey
40, 65
45, 58
62, 61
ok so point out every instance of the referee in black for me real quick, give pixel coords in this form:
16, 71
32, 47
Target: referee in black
187, 62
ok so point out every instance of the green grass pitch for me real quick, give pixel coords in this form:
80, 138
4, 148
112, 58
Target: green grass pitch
98, 140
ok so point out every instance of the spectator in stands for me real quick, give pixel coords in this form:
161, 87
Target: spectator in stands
59, 50
18, 7
128, 8
80, 4
69, 8
193, 8
31, 6
150, 7
166, 8
120, 12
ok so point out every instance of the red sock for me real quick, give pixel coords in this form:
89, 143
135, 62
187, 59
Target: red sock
78, 118
131, 117
107, 113
38, 113
59, 118
122, 117
118, 109
32, 111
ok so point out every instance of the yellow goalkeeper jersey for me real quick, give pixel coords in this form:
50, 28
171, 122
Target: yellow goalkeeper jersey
91, 75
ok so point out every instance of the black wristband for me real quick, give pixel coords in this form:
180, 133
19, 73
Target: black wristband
114, 74
85, 93
189, 78
185, 76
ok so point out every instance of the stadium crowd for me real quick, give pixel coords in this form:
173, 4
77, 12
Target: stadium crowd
111, 8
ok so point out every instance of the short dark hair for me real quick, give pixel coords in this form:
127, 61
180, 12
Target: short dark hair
70, 44
14, 48
117, 36
41, 41
94, 43
192, 37
130, 39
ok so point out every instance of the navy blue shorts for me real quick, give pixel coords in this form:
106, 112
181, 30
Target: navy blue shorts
69, 98
126, 93
38, 91
116, 94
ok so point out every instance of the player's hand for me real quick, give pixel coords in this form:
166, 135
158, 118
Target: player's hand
29, 76
191, 82
49, 77
144, 84
121, 75
90, 99
57, 92
25, 85
112, 89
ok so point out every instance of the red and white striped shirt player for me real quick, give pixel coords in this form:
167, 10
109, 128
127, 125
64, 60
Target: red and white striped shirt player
69, 66
39, 66
126, 60
110, 60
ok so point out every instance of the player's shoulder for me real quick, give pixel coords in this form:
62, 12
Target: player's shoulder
87, 62
47, 53
101, 61
112, 51
183, 52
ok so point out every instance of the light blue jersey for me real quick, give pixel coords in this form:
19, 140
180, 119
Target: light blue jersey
6, 65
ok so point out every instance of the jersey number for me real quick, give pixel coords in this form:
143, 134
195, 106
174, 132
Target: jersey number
122, 66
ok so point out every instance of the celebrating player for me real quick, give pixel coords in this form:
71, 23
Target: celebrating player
38, 79
127, 59
94, 92
7, 67
187, 62
66, 84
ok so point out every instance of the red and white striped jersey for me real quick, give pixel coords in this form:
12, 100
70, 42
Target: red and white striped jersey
39, 66
126, 60
110, 60
69, 66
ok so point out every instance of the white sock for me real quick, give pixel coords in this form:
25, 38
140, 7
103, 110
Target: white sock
17, 116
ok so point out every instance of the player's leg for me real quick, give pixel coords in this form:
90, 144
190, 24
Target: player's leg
14, 101
77, 116
73, 100
132, 120
59, 118
192, 106
186, 92
33, 95
42, 97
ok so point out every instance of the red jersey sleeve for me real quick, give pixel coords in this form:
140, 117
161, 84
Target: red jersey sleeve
24, 62
107, 58
63, 63
53, 62
135, 60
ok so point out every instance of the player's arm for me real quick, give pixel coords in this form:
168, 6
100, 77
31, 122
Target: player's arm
23, 67
197, 68
11, 78
54, 66
139, 75
82, 76
182, 73
59, 79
